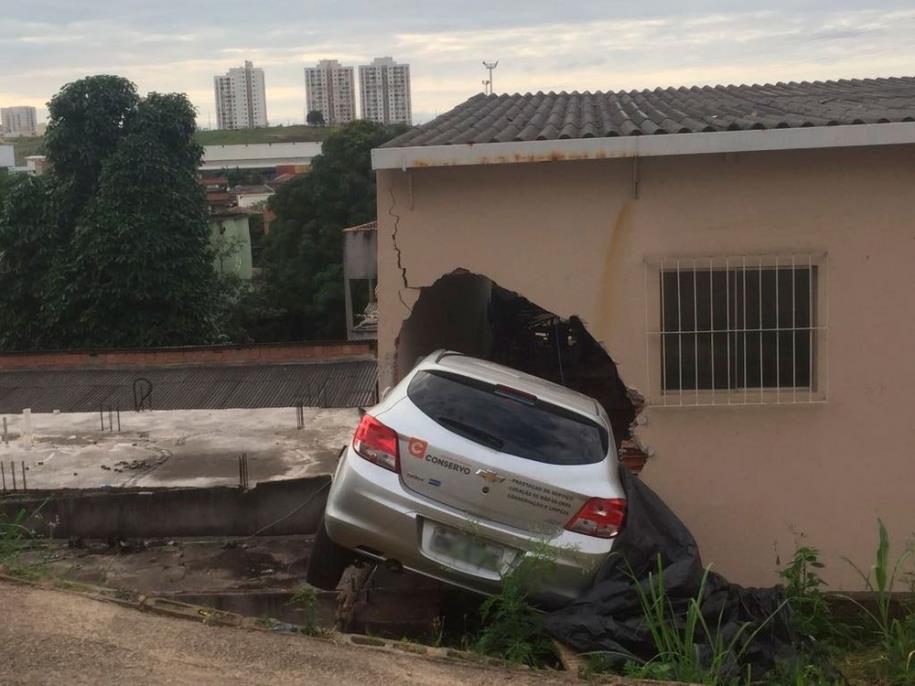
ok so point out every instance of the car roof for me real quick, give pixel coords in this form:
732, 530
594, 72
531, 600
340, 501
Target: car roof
499, 374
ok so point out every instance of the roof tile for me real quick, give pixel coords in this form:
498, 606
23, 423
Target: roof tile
553, 116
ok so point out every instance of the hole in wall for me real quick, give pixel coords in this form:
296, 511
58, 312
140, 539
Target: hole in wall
471, 314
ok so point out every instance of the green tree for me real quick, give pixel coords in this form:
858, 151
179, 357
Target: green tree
302, 256
29, 236
87, 121
315, 118
111, 248
6, 180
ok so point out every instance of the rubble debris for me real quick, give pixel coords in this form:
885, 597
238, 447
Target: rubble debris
132, 465
505, 327
126, 546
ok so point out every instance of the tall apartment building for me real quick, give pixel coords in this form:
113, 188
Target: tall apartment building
18, 121
240, 99
330, 89
385, 91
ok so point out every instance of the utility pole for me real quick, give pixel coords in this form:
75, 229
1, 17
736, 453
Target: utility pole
487, 85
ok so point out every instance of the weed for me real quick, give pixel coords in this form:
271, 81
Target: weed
12, 537
438, 632
267, 622
15, 538
896, 635
512, 629
811, 615
657, 671
306, 598
803, 674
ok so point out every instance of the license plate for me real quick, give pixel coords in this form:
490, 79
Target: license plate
465, 552
466, 548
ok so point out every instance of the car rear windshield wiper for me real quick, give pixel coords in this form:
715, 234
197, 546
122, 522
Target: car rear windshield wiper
472, 432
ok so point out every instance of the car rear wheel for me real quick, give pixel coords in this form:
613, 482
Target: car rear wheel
328, 561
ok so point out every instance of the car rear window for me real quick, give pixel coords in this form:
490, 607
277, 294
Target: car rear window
486, 414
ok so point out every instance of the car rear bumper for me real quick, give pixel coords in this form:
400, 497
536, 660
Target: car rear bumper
369, 510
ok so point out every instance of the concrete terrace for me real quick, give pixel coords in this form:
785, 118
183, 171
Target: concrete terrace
187, 448
72, 422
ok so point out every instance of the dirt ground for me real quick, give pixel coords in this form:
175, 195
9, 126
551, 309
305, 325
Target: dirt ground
52, 637
180, 565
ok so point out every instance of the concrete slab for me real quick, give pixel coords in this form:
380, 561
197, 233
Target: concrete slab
173, 448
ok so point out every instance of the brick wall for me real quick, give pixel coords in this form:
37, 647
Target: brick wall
152, 357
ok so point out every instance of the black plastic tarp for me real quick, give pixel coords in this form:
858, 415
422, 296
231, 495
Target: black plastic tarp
609, 616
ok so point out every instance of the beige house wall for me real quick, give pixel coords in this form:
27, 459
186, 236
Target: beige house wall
571, 237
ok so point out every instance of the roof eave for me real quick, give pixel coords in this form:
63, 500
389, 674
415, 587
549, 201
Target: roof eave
520, 152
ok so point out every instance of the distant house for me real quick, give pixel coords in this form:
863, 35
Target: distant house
36, 165
251, 196
230, 233
360, 274
728, 270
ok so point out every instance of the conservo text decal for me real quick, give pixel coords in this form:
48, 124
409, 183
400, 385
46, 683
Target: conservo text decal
448, 464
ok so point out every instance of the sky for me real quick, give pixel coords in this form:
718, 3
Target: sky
541, 46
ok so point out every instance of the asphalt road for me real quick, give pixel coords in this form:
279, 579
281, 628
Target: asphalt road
53, 637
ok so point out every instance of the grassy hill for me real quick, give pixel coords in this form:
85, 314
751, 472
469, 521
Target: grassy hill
272, 134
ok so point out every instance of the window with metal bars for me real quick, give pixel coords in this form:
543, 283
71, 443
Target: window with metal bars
747, 325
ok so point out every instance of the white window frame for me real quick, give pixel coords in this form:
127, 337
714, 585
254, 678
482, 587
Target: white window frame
748, 395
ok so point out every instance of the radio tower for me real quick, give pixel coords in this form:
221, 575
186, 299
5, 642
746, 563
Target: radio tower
487, 85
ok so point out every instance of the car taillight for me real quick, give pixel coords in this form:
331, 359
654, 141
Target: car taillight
377, 443
601, 517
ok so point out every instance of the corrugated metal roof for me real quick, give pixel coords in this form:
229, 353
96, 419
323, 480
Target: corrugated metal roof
556, 116
341, 383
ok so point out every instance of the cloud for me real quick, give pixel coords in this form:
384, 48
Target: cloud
610, 44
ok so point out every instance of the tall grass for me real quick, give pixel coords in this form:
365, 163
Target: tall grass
896, 635
13, 537
691, 648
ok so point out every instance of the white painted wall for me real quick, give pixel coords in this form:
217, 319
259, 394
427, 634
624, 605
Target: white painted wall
7, 157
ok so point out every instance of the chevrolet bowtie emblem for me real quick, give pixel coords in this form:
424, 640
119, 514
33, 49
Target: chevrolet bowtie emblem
490, 476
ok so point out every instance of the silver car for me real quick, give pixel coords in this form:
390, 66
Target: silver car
465, 468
